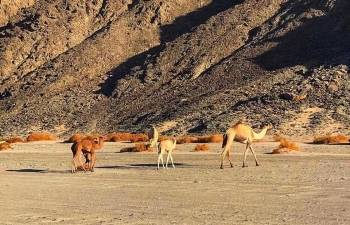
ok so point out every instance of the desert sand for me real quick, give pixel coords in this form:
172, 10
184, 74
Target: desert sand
307, 187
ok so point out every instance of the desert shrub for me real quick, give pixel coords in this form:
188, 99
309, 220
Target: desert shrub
201, 148
331, 139
125, 136
75, 138
139, 138
41, 136
286, 146
163, 138
15, 140
139, 147
215, 138
278, 138
5, 146
186, 139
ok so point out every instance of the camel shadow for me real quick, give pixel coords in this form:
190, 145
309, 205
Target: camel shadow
38, 171
28, 171
143, 166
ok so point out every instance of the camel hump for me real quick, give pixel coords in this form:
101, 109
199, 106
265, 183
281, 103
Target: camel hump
240, 122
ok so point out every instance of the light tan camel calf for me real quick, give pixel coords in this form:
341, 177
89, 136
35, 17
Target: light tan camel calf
244, 134
163, 147
153, 136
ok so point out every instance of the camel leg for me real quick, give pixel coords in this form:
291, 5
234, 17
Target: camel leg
228, 156
167, 160
172, 162
245, 155
256, 160
159, 156
162, 160
81, 163
73, 166
93, 162
223, 154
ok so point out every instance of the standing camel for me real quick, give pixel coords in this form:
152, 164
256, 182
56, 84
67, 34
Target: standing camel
87, 147
166, 146
244, 134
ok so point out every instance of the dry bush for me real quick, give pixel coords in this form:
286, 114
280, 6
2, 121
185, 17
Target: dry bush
5, 146
278, 138
125, 136
331, 139
163, 138
215, 138
186, 139
201, 148
41, 136
286, 146
15, 140
138, 138
75, 138
139, 147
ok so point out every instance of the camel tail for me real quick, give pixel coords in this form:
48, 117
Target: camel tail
224, 141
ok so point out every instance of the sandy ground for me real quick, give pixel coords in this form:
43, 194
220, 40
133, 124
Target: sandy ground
310, 187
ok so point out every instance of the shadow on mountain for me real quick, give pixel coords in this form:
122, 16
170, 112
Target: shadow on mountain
169, 32
186, 23
319, 40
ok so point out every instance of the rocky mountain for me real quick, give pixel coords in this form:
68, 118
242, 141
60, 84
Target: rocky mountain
187, 66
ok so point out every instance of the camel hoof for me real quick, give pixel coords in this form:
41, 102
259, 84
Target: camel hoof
231, 166
221, 167
244, 166
257, 164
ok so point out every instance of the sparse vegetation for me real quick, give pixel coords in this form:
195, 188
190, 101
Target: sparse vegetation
139, 147
125, 136
186, 140
75, 138
215, 138
285, 146
331, 139
5, 146
201, 148
15, 140
41, 136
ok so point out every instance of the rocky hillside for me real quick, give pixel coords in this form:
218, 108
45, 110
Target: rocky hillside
183, 65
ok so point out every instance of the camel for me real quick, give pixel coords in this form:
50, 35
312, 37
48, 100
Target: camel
88, 147
244, 134
166, 146
153, 137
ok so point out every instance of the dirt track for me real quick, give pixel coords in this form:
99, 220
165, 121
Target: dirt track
311, 187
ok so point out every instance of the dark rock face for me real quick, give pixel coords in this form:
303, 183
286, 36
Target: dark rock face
107, 65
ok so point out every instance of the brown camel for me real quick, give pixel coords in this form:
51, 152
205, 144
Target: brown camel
88, 148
